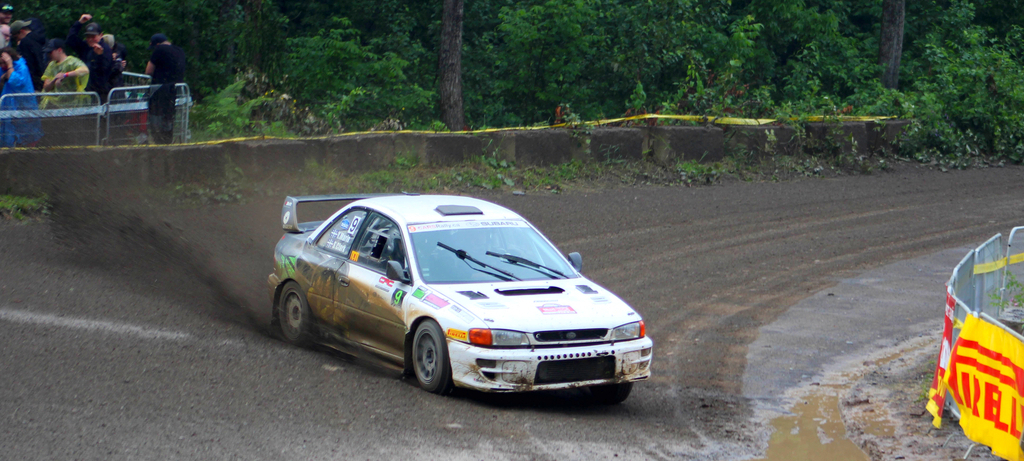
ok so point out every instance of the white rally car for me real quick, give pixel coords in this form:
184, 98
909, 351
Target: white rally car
458, 291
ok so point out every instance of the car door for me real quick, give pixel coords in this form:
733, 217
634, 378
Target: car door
330, 269
376, 316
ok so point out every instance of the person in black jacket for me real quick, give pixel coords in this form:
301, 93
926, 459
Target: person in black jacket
31, 50
96, 54
167, 67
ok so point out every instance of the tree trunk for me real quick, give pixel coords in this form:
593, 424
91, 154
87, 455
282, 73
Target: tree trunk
890, 47
450, 66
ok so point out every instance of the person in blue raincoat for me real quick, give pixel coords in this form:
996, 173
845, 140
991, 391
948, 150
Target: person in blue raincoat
16, 79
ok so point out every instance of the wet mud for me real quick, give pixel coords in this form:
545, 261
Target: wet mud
706, 267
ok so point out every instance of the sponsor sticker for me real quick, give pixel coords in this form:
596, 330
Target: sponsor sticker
287, 216
397, 297
458, 334
419, 293
492, 305
345, 224
435, 300
385, 284
600, 300
354, 256
355, 225
462, 313
463, 225
555, 309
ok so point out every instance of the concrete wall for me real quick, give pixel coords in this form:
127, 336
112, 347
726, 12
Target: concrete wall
26, 170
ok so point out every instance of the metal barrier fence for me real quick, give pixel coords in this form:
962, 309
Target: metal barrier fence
987, 281
983, 284
77, 119
133, 79
50, 119
128, 115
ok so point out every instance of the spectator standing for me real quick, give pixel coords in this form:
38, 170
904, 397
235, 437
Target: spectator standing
6, 14
118, 52
167, 67
16, 79
97, 55
31, 51
64, 74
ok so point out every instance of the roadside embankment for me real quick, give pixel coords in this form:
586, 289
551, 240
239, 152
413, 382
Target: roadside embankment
28, 171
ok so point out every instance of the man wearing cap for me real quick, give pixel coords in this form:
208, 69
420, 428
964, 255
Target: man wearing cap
6, 13
31, 50
167, 66
96, 54
64, 74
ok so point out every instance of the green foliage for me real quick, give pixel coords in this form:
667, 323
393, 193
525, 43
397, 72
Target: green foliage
227, 114
350, 83
21, 208
1012, 296
693, 172
343, 65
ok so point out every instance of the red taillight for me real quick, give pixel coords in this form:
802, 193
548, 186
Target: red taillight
643, 330
480, 336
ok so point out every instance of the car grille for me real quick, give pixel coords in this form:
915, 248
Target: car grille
595, 334
567, 371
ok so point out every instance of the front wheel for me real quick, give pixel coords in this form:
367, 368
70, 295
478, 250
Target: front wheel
611, 394
430, 359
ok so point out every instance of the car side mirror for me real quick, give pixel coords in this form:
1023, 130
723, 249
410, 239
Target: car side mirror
395, 272
577, 261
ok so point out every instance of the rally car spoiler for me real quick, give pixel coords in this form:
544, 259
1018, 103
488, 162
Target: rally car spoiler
290, 216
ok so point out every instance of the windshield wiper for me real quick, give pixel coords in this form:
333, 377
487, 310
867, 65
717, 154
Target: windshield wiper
461, 254
518, 260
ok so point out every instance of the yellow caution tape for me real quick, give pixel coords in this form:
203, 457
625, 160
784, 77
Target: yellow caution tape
1015, 259
989, 267
688, 118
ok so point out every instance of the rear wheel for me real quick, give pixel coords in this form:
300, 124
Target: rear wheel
294, 316
430, 359
611, 394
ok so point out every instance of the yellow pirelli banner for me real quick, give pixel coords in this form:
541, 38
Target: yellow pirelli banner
986, 379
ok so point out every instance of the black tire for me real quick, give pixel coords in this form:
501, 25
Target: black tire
431, 365
611, 394
294, 316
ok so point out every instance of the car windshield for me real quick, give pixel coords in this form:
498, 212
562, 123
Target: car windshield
478, 251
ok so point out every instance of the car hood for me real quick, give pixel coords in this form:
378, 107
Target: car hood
541, 305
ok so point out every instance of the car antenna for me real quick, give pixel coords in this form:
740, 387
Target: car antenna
410, 193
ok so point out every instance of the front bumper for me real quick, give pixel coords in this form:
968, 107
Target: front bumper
516, 370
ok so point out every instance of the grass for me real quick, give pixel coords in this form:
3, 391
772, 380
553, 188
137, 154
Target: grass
489, 173
22, 208
482, 173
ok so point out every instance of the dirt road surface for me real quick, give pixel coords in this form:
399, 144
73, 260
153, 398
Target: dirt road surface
135, 331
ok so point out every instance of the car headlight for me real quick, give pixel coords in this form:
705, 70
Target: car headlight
485, 337
629, 331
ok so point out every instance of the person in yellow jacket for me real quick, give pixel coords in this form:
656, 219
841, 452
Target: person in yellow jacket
64, 74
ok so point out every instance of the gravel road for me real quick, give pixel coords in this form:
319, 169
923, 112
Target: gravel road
131, 330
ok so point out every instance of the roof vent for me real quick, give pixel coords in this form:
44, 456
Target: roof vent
456, 210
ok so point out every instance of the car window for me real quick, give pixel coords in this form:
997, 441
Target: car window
380, 243
341, 234
478, 239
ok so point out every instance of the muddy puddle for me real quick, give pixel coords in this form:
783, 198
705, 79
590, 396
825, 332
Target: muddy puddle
833, 416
